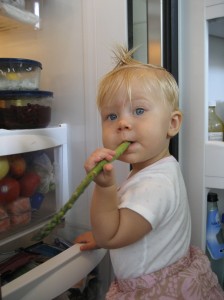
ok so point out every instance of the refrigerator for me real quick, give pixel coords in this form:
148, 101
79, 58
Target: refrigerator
75, 51
74, 42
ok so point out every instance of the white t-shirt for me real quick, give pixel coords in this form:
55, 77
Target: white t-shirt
157, 193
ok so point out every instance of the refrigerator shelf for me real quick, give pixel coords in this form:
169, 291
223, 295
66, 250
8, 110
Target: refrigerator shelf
214, 171
214, 9
55, 276
21, 141
12, 17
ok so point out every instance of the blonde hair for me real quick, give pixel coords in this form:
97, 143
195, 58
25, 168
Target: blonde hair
152, 77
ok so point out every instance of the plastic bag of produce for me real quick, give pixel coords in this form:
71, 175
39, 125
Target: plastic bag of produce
44, 168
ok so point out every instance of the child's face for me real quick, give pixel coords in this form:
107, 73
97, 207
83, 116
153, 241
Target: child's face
145, 121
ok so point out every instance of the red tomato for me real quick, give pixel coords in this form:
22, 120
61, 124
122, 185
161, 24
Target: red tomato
17, 165
28, 184
9, 189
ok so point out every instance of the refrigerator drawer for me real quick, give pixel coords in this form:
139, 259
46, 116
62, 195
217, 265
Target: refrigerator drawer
33, 179
214, 169
55, 276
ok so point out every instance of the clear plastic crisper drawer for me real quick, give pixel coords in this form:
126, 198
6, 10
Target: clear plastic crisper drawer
214, 165
33, 178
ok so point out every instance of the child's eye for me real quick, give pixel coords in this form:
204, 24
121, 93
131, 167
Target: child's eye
139, 111
112, 117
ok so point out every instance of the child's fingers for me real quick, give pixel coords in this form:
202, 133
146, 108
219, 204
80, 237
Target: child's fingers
89, 246
107, 168
97, 156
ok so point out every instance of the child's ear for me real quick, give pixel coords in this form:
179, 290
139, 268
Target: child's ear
175, 123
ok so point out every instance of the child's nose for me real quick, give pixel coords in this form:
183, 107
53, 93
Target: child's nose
124, 124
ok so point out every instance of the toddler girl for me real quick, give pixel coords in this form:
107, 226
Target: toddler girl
145, 222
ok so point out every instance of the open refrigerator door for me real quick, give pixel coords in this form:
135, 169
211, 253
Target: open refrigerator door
201, 84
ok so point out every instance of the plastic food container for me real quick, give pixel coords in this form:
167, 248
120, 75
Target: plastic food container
19, 74
25, 109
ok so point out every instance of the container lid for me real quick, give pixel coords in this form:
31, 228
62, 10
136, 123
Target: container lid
212, 197
12, 95
20, 61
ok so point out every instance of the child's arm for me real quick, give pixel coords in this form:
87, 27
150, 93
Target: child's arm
112, 227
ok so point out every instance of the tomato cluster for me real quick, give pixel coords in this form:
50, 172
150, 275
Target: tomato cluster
18, 181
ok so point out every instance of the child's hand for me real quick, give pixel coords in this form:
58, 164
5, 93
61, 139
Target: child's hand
106, 177
87, 240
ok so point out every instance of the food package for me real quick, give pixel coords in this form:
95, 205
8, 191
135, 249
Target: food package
44, 168
4, 220
21, 219
19, 211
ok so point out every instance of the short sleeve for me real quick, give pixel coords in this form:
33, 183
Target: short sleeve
152, 197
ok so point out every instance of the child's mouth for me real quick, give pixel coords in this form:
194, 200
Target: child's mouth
131, 143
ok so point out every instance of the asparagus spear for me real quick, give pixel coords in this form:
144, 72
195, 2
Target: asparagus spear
58, 217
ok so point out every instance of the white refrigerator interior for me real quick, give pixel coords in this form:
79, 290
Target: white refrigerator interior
75, 51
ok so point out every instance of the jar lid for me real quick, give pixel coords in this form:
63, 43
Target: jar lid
20, 61
12, 95
212, 197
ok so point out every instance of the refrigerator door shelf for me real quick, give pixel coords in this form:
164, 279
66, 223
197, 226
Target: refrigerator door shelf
213, 2
21, 141
214, 171
55, 276
214, 9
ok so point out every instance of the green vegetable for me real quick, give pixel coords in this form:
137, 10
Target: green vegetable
58, 217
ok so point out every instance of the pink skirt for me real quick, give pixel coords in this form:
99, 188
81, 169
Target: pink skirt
191, 278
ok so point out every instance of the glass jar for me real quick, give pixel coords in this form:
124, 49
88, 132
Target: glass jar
215, 125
